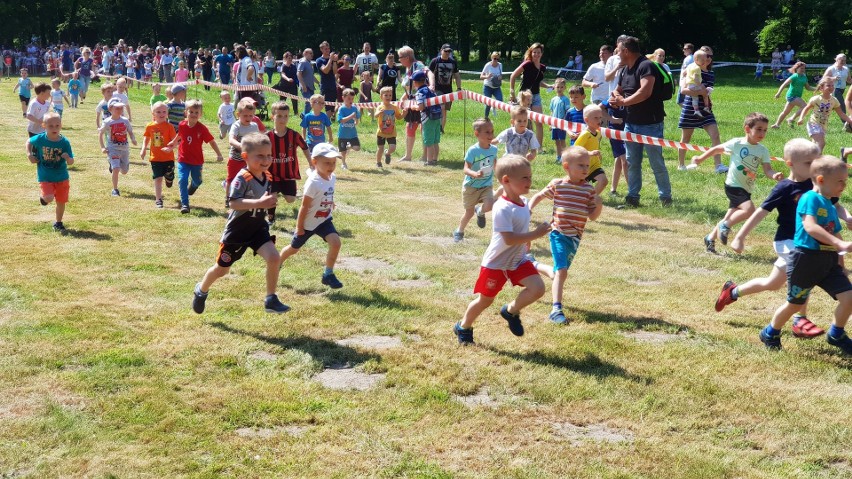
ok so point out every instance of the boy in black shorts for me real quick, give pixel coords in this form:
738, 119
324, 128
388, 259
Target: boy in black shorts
285, 161
247, 227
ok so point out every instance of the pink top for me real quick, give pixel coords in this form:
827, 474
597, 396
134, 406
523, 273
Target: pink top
181, 75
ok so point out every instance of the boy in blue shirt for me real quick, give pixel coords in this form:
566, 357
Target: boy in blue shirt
347, 117
479, 162
52, 154
430, 118
316, 123
559, 105
23, 88
815, 261
575, 114
74, 89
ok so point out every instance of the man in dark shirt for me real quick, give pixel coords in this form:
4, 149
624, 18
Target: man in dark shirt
327, 67
444, 70
645, 113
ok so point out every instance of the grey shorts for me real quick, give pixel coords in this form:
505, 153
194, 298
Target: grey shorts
119, 159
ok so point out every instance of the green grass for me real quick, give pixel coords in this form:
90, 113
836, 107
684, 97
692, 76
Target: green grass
106, 372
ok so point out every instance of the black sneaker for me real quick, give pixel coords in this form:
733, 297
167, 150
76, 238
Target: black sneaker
198, 299
158, 203
331, 281
465, 335
666, 202
843, 342
631, 202
41, 200
192, 189
59, 227
480, 216
514, 320
273, 305
184, 209
387, 158
709, 245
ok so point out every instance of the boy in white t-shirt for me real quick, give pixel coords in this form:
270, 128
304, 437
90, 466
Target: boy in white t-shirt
518, 139
225, 114
315, 213
37, 108
505, 259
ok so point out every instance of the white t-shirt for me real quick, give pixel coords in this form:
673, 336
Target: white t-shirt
226, 113
364, 63
613, 63
245, 64
841, 74
37, 110
518, 143
595, 74
321, 191
496, 74
507, 217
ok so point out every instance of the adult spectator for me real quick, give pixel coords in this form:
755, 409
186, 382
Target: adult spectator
247, 73
288, 83
167, 60
659, 56
688, 50
190, 57
327, 69
206, 65
688, 121
789, 55
108, 66
412, 118
578, 61
366, 61
345, 76
492, 80
388, 75
613, 65
269, 66
305, 74
532, 72
443, 69
840, 72
67, 59
224, 61
776, 63
595, 78
645, 114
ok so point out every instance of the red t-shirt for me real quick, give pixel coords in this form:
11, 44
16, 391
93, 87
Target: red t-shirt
285, 151
191, 142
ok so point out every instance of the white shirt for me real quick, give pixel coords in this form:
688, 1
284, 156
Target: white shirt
507, 217
788, 55
496, 74
245, 64
595, 74
613, 63
226, 113
841, 74
321, 191
364, 63
37, 109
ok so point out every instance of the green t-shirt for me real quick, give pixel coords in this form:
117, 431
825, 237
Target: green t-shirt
51, 167
797, 85
156, 98
746, 161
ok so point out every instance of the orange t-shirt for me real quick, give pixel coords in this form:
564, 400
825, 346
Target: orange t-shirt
159, 135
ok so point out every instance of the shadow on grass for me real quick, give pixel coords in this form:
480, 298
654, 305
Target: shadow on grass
590, 364
83, 234
350, 179
635, 227
205, 212
139, 196
328, 352
376, 171
375, 299
643, 323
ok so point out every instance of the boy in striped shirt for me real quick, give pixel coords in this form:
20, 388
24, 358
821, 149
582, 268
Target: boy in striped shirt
574, 202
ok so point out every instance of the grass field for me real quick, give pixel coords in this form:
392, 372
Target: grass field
106, 372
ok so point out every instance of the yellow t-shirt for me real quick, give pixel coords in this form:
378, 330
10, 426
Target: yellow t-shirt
387, 120
591, 142
821, 109
693, 75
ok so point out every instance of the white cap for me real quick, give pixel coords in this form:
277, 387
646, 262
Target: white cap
325, 150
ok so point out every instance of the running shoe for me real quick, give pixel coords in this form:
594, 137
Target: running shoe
514, 320
804, 328
725, 297
465, 336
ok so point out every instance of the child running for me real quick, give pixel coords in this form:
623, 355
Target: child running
387, 113
505, 259
240, 128
177, 107
51, 153
799, 154
102, 108
116, 129
348, 117
747, 155
315, 213
590, 139
225, 114
158, 134
286, 144
518, 139
38, 107
815, 260
559, 105
74, 85
574, 202
315, 123
157, 95
57, 96
246, 227
577, 95
478, 181
822, 104
23, 88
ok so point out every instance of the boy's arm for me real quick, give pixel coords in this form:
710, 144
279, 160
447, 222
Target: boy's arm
215, 147
536, 199
127, 107
101, 133
512, 239
144, 147
97, 118
307, 156
30, 155
739, 240
65, 96
172, 144
716, 150
330, 134
132, 136
769, 172
15, 88
782, 87
818, 233
243, 204
600, 182
233, 141
307, 201
531, 154
473, 174
596, 209
843, 214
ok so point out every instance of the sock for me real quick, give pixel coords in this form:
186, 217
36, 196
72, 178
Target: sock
735, 293
836, 331
557, 306
328, 271
198, 290
770, 331
270, 296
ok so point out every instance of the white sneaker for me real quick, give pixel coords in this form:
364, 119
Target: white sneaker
682, 168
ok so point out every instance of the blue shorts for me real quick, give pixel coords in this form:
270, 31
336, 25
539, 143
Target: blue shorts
809, 268
557, 134
536, 101
324, 229
563, 248
618, 148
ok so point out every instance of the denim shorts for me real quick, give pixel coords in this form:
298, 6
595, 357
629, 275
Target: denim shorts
536, 101
563, 248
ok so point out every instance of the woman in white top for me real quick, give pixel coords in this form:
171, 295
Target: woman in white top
840, 72
492, 80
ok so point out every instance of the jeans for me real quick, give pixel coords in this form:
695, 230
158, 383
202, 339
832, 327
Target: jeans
838, 93
655, 158
184, 173
490, 92
307, 95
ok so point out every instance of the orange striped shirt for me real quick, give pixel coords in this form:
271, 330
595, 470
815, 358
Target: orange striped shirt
571, 205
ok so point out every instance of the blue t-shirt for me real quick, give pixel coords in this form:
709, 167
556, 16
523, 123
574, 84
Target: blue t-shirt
51, 167
480, 159
24, 85
315, 126
347, 131
327, 80
574, 116
559, 106
225, 61
615, 113
814, 204
308, 80
74, 86
430, 112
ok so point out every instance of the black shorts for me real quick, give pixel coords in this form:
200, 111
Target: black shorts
163, 169
448, 105
229, 253
24, 99
594, 174
809, 268
344, 144
285, 187
736, 196
380, 141
324, 229
412, 116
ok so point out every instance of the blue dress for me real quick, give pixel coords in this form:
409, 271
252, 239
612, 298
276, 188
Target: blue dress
688, 120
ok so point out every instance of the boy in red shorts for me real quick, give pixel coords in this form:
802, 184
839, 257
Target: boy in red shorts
52, 154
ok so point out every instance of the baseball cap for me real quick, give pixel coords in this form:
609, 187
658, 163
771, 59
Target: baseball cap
115, 102
177, 89
446, 46
418, 76
325, 150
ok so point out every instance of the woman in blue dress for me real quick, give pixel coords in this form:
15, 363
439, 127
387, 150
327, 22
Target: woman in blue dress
689, 121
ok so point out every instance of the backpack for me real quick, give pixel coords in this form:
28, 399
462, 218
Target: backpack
663, 83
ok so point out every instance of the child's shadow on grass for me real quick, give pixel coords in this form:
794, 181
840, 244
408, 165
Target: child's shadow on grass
205, 212
83, 234
139, 196
328, 352
375, 300
643, 323
376, 171
590, 364
635, 227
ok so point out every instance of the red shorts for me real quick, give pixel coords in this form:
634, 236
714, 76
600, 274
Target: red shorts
491, 281
411, 128
234, 167
58, 190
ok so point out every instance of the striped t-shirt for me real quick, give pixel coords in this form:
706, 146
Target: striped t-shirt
571, 205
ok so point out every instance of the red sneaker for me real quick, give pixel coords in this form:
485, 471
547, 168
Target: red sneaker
804, 328
725, 297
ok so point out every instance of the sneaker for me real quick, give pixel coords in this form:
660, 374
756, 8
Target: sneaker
843, 342
721, 169
192, 189
665, 202
514, 320
59, 227
378, 164
115, 192
458, 236
158, 203
631, 202
41, 200
344, 166
724, 231
558, 317
198, 299
725, 297
804, 328
480, 216
709, 245
184, 209
772, 342
387, 158
465, 335
331, 281
681, 168
613, 193
273, 305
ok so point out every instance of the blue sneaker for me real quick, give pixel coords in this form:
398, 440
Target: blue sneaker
273, 305
514, 320
331, 281
480, 216
198, 299
724, 231
558, 317
771, 342
465, 335
843, 342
